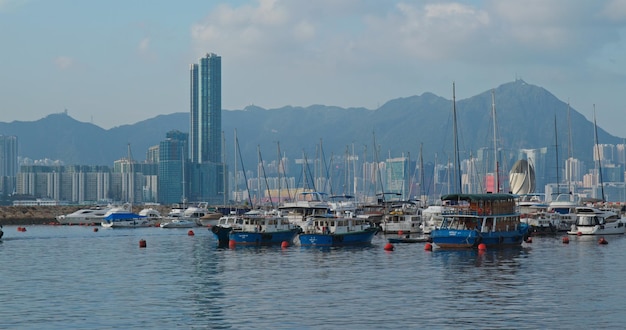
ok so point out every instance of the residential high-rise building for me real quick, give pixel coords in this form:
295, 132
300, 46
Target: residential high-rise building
8, 163
206, 110
205, 141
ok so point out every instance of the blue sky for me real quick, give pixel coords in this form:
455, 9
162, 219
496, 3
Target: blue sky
118, 62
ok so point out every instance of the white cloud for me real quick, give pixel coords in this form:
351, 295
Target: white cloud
615, 10
63, 62
144, 45
10, 4
336, 52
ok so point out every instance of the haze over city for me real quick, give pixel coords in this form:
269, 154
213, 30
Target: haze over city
119, 62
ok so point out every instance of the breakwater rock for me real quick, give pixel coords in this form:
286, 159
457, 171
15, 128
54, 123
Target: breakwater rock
37, 215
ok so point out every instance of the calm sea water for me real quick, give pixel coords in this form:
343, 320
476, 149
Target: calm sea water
71, 277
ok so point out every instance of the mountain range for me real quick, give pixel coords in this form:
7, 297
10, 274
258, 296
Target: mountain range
527, 117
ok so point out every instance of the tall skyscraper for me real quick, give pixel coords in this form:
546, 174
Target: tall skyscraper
206, 110
8, 163
205, 142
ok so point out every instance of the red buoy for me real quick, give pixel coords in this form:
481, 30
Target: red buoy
565, 240
428, 247
482, 247
142, 243
284, 244
602, 241
400, 233
389, 247
579, 233
190, 233
231, 244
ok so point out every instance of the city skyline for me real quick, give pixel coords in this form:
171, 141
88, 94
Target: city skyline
127, 63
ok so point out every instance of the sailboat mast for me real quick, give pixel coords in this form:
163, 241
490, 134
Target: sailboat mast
224, 167
597, 146
570, 154
422, 190
495, 143
131, 179
556, 149
280, 166
457, 167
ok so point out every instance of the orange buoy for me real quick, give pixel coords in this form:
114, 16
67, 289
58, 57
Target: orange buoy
389, 247
400, 233
142, 243
602, 241
284, 244
428, 247
95, 229
231, 244
190, 233
565, 240
482, 247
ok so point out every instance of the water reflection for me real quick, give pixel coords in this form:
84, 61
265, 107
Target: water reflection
479, 258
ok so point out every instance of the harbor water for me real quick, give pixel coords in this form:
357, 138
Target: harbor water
76, 277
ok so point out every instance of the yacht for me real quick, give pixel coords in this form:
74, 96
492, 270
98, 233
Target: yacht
90, 216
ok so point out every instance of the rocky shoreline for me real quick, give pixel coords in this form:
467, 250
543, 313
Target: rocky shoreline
44, 215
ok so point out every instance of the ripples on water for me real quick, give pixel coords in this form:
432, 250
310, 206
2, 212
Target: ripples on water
68, 277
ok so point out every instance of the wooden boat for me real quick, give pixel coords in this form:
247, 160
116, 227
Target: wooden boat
473, 219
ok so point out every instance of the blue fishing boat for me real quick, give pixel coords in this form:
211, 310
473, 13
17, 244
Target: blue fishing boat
263, 230
472, 219
328, 230
224, 226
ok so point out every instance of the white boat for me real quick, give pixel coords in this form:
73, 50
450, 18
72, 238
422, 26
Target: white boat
432, 216
152, 214
565, 205
406, 218
594, 221
304, 205
88, 216
178, 223
209, 219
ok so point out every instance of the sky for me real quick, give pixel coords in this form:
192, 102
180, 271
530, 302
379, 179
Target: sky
113, 62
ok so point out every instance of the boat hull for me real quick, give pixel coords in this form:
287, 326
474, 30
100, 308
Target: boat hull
455, 238
221, 234
178, 224
126, 223
352, 238
261, 238
609, 229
